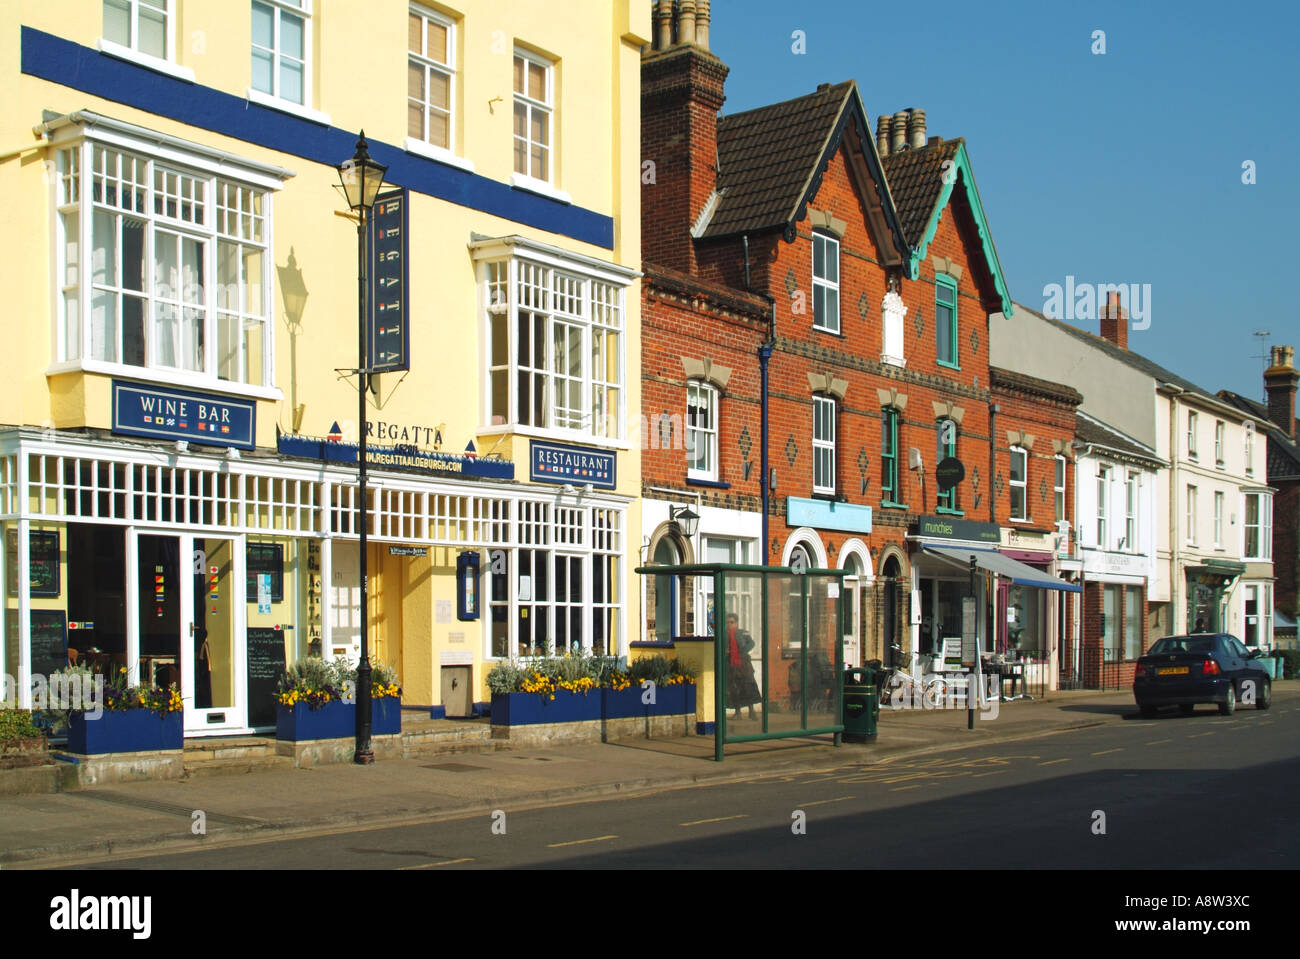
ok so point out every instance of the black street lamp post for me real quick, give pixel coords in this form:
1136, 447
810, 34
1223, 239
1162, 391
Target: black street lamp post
361, 178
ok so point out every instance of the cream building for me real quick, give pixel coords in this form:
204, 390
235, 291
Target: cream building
178, 469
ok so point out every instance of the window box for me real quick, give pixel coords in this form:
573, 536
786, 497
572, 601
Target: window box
336, 720
669, 701
530, 709
126, 731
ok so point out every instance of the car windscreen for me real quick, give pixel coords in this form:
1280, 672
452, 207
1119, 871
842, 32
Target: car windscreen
1183, 644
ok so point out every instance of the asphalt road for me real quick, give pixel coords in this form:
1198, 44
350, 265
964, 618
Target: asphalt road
1200, 792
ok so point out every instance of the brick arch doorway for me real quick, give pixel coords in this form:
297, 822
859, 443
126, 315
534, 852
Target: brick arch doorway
669, 604
891, 588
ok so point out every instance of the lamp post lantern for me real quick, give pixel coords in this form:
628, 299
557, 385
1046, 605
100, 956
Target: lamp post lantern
361, 178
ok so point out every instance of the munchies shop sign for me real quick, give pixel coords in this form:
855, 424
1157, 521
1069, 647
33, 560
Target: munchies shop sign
555, 463
171, 414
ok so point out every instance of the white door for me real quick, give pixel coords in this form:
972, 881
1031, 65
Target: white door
190, 625
345, 602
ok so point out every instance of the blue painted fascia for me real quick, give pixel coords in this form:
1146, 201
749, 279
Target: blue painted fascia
69, 64
962, 172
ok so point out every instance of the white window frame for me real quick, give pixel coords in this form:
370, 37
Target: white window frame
1191, 514
740, 599
824, 413
159, 154
1218, 519
526, 179
422, 144
514, 259
1220, 429
132, 52
1131, 512
1022, 484
1264, 523
1103, 498
273, 98
1191, 435
1058, 486
822, 285
702, 437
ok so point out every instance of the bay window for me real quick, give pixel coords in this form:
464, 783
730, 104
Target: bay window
554, 341
1258, 527
163, 265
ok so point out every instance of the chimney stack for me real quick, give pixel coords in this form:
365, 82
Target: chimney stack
883, 124
1280, 384
916, 129
681, 94
1114, 321
898, 135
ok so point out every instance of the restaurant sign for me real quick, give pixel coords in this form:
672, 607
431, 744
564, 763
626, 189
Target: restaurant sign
556, 463
389, 342
166, 413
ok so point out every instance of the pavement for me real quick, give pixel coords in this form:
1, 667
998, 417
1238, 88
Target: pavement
42, 831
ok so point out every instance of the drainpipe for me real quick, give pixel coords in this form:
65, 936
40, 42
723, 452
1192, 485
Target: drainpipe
994, 409
764, 356
1173, 392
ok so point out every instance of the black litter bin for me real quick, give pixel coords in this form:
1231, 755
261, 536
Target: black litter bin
861, 706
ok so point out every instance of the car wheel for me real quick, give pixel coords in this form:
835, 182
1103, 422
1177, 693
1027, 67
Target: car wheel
1265, 699
1148, 712
1229, 704
1187, 708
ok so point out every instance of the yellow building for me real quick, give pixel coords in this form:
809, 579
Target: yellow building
178, 480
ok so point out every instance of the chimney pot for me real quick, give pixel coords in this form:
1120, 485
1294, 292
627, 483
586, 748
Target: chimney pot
663, 33
898, 136
916, 129
702, 19
883, 124
686, 21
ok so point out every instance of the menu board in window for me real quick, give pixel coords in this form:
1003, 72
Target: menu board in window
265, 558
43, 562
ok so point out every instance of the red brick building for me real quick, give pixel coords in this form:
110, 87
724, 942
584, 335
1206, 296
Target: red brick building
861, 273
1033, 436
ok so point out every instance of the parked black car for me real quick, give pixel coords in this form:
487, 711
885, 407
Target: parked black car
1201, 668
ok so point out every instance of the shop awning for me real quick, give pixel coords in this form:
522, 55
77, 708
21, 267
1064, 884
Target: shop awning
994, 562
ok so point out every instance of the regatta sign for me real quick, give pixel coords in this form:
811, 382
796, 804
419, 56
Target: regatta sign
170, 414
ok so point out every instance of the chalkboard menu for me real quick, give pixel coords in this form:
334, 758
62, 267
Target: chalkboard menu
265, 666
43, 562
49, 641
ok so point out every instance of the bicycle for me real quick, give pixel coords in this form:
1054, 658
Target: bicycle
905, 688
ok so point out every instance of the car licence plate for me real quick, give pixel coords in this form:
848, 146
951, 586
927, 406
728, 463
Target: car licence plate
1172, 671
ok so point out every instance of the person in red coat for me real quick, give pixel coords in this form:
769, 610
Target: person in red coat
742, 690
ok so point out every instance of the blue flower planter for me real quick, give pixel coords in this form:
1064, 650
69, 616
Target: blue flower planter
336, 720
130, 731
526, 709
669, 701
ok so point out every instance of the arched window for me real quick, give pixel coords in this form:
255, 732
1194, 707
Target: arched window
666, 601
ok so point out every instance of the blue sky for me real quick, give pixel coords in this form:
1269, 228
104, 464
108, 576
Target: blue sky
1124, 167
